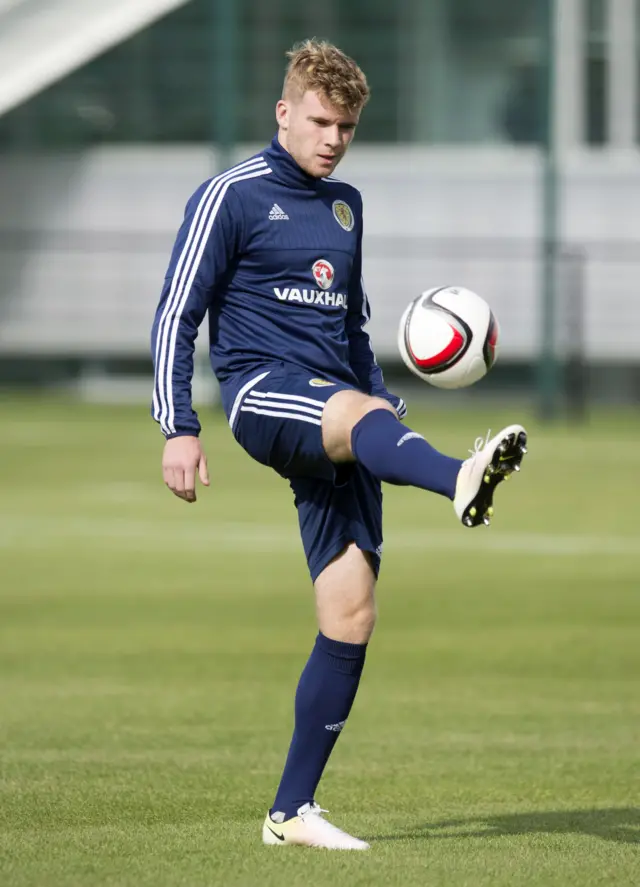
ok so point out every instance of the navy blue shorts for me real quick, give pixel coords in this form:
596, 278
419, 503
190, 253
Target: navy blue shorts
276, 417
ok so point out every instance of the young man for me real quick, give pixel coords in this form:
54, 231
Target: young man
272, 249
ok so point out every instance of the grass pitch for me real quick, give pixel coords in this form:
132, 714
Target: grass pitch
149, 651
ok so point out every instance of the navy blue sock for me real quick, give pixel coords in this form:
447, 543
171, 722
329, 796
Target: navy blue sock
396, 454
324, 697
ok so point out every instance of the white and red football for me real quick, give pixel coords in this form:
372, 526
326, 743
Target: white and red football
448, 336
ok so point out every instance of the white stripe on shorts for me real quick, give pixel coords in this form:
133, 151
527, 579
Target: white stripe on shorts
298, 398
241, 394
278, 405
281, 414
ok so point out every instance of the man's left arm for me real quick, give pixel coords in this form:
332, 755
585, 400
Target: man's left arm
361, 357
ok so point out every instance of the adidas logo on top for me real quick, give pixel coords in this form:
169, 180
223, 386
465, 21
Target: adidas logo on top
277, 214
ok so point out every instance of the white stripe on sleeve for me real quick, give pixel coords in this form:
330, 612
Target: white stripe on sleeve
159, 401
186, 270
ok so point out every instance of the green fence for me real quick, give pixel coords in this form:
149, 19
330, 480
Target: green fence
441, 71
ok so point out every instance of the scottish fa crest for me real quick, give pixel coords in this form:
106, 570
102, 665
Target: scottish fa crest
343, 215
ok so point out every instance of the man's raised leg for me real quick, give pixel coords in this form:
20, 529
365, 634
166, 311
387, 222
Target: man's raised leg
367, 430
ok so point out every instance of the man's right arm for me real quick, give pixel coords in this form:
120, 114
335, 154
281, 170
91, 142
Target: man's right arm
205, 246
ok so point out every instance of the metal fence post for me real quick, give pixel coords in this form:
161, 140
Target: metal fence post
547, 362
224, 97
576, 384
225, 29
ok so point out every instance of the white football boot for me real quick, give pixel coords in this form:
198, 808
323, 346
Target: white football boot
309, 829
491, 462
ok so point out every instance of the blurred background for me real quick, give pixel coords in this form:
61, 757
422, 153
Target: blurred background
500, 151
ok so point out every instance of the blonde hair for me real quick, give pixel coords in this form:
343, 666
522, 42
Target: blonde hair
323, 68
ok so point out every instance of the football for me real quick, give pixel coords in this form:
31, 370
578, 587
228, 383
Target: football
448, 336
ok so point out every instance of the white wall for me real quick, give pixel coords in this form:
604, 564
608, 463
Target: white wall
84, 240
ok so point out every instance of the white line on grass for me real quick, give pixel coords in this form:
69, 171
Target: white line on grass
37, 533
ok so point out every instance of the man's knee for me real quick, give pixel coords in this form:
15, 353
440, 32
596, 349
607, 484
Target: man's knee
352, 622
341, 414
345, 597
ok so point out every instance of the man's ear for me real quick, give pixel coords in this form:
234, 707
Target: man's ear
282, 114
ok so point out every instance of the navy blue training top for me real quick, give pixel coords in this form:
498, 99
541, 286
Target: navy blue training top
275, 257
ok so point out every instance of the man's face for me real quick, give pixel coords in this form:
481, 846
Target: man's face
315, 133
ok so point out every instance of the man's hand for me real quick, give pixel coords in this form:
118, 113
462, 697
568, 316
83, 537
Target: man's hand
182, 457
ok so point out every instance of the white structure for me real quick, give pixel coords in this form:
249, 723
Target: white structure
42, 41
